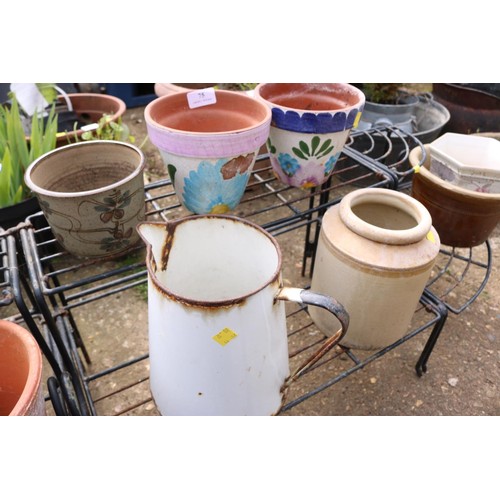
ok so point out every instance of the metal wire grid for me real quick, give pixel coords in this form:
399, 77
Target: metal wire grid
456, 269
277, 208
6, 297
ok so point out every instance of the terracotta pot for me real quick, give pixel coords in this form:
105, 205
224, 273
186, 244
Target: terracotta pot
463, 218
20, 372
162, 89
90, 108
375, 253
311, 123
92, 195
209, 150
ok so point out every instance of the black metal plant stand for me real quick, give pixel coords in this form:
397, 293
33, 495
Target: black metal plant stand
61, 284
15, 290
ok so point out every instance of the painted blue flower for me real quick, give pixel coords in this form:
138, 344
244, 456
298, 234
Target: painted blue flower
207, 192
331, 163
288, 163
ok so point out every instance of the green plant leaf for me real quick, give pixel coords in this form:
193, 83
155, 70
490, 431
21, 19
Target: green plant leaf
49, 139
35, 138
3, 130
5, 179
48, 90
10, 193
22, 151
18, 195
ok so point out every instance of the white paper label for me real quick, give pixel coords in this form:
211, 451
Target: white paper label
29, 97
90, 127
202, 97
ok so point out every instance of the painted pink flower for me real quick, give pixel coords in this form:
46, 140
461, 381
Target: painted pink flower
309, 175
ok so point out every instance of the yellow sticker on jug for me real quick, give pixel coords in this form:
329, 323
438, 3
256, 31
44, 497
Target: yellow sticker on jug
430, 237
224, 336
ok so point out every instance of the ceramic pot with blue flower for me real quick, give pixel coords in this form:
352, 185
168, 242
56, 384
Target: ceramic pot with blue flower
209, 140
310, 125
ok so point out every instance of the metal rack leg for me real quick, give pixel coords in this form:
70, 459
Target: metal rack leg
431, 301
62, 346
15, 281
76, 332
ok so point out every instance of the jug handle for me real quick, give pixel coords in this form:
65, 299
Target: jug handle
302, 296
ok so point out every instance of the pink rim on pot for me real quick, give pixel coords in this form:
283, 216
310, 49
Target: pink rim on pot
208, 147
234, 125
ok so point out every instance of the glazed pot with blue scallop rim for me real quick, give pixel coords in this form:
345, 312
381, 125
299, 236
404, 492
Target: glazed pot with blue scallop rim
210, 149
310, 125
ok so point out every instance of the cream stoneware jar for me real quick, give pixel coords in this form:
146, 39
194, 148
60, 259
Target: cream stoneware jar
217, 327
375, 253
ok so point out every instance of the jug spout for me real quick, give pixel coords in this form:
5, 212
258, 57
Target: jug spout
156, 235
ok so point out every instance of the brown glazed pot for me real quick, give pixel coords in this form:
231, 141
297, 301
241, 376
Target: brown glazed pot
462, 218
20, 372
471, 110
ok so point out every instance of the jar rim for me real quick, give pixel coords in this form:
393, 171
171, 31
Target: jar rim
394, 199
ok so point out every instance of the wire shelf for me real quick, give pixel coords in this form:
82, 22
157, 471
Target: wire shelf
68, 291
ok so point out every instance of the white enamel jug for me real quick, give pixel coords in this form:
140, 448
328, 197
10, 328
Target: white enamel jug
217, 327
